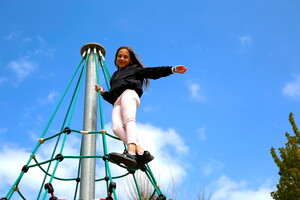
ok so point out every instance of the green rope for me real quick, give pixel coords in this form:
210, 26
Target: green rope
11, 191
137, 187
99, 99
105, 71
153, 193
115, 177
152, 180
21, 195
75, 96
152, 176
58, 139
73, 102
57, 178
60, 101
78, 174
105, 150
56, 164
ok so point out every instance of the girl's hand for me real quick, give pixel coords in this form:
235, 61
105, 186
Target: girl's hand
180, 69
98, 87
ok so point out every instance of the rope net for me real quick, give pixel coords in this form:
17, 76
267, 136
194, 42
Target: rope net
55, 145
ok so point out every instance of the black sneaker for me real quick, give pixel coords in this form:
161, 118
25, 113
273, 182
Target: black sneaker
143, 159
127, 159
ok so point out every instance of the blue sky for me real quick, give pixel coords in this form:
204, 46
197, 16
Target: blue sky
215, 124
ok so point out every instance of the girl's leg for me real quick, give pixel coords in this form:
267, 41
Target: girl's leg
124, 121
117, 122
124, 125
129, 103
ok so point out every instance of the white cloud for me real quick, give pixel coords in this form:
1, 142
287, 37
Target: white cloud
169, 149
49, 98
211, 166
157, 139
227, 189
245, 40
292, 89
17, 37
42, 48
167, 167
166, 145
148, 108
202, 134
16, 157
195, 92
13, 35
23, 68
245, 43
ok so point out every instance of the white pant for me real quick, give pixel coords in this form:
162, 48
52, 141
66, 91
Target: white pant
124, 117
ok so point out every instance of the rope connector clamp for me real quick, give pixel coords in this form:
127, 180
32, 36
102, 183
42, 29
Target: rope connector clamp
49, 187
25, 169
41, 140
106, 157
67, 130
59, 157
112, 185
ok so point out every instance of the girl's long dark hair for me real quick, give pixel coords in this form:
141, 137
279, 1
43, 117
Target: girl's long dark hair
134, 61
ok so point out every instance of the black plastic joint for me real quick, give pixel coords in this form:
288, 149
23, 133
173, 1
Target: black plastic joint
67, 130
24, 169
112, 185
53, 198
106, 178
49, 187
161, 197
106, 157
77, 180
131, 171
59, 157
3, 198
144, 168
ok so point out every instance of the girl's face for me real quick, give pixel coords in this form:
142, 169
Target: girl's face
123, 58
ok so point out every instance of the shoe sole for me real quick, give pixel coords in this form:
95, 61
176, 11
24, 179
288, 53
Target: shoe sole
121, 158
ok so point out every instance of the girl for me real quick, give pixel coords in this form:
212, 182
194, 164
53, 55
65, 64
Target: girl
126, 88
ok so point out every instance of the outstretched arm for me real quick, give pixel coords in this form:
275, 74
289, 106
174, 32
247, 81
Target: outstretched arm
158, 72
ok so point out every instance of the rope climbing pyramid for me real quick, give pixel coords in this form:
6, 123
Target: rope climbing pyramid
84, 178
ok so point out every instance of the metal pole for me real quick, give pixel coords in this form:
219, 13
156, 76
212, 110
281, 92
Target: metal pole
87, 180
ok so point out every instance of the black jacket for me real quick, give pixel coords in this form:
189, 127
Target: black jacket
131, 77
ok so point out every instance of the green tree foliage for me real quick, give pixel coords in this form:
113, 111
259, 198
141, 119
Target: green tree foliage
289, 166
